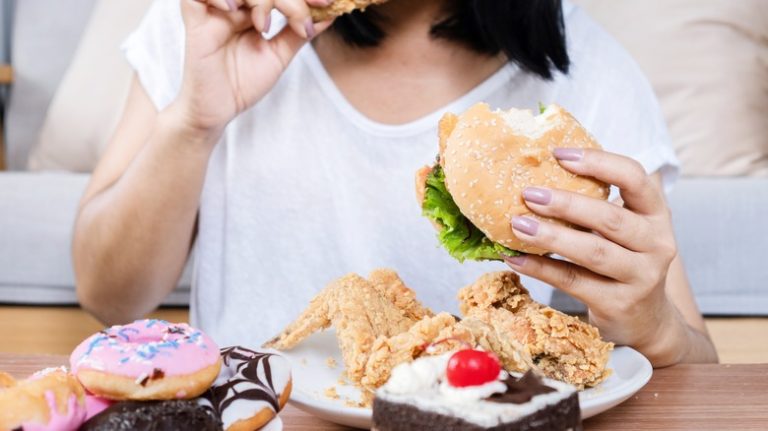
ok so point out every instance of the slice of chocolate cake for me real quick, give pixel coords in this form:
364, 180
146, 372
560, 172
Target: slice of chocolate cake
450, 392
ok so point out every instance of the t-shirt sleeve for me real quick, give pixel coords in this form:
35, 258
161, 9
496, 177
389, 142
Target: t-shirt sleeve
155, 50
608, 93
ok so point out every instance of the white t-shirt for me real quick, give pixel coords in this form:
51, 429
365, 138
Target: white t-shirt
303, 188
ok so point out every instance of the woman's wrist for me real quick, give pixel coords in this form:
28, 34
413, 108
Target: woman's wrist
666, 344
176, 119
674, 341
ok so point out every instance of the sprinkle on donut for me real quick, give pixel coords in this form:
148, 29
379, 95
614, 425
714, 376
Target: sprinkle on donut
147, 359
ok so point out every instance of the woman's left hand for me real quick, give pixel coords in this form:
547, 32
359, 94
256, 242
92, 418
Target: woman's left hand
619, 270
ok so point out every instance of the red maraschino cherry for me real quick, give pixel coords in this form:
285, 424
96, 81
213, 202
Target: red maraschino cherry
472, 368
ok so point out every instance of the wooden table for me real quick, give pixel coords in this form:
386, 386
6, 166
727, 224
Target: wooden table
684, 397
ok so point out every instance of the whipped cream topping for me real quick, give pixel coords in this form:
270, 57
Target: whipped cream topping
428, 373
471, 393
423, 384
418, 375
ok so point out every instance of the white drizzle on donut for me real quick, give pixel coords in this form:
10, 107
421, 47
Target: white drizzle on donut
248, 382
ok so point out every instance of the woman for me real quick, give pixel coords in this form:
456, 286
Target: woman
288, 172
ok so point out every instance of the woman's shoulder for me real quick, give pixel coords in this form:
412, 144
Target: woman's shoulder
155, 51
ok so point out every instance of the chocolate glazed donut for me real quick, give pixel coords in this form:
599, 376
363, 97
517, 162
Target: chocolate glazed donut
154, 416
250, 390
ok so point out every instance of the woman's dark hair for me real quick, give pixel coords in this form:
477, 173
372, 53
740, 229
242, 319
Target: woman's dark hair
531, 33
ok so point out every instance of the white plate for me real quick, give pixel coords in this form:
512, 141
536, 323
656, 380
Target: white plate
312, 376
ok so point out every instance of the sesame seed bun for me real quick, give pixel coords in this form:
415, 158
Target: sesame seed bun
489, 157
340, 7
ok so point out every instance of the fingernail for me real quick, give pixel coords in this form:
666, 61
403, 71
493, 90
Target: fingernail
309, 27
525, 225
537, 196
232, 5
568, 154
516, 260
267, 22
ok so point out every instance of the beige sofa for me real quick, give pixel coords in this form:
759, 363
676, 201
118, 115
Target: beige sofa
719, 207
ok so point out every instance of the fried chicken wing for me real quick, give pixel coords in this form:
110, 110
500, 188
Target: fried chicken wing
380, 324
505, 336
391, 287
361, 311
387, 352
562, 347
493, 291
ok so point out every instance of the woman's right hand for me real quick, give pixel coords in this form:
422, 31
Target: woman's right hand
228, 65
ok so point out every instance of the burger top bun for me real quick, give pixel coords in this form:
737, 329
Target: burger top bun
340, 7
489, 157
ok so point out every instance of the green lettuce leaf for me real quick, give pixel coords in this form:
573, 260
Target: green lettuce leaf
462, 239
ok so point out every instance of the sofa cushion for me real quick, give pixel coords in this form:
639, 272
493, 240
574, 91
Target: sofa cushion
44, 36
719, 226
37, 212
708, 63
90, 99
721, 235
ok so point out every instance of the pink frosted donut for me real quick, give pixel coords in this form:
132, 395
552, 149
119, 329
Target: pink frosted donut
147, 360
51, 400
95, 405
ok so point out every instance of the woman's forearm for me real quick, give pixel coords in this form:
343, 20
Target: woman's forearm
689, 340
133, 237
676, 341
700, 348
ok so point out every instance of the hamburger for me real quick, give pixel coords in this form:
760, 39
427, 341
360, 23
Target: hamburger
486, 158
340, 7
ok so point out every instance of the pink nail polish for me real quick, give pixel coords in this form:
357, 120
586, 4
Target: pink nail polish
232, 5
537, 195
525, 225
568, 154
267, 22
309, 27
516, 260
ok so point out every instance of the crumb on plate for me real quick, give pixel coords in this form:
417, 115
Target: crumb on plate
331, 393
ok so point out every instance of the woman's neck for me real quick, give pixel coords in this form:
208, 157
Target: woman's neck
409, 74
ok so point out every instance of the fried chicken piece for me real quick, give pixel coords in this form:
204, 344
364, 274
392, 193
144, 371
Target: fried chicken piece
561, 346
390, 286
361, 311
6, 381
494, 290
351, 293
340, 7
380, 324
503, 337
315, 318
387, 352
569, 349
